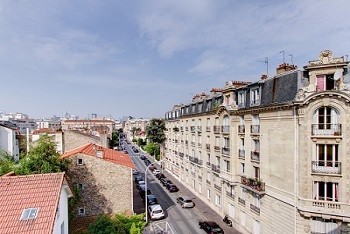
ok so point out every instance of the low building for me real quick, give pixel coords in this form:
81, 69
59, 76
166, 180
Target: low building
34, 203
9, 140
104, 178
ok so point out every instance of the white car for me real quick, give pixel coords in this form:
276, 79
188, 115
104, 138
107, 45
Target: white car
155, 212
155, 172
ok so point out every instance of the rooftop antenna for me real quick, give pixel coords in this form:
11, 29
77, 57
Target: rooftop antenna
282, 52
291, 58
266, 61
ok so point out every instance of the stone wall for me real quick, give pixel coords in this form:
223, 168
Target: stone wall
107, 187
73, 139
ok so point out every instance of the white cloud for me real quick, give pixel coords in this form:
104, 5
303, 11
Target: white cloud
210, 63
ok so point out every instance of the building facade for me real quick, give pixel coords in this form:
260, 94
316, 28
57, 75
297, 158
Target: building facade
9, 140
271, 154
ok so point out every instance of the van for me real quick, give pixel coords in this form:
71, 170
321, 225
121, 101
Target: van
155, 212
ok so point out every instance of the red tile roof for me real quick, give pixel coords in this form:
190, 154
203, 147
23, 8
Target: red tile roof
17, 193
110, 155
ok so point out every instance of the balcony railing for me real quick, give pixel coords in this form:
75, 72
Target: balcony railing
225, 129
199, 128
242, 201
225, 151
255, 208
207, 128
326, 167
241, 154
217, 187
231, 195
215, 168
208, 164
181, 155
193, 129
207, 147
195, 160
216, 148
253, 184
193, 143
255, 156
216, 129
326, 129
255, 129
241, 128
333, 207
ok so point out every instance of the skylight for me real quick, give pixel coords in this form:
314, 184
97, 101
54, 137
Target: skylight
29, 213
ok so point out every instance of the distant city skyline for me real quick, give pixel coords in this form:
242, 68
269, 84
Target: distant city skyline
139, 58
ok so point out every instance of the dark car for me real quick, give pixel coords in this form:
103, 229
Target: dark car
211, 227
143, 157
138, 178
136, 150
125, 151
142, 192
165, 181
151, 199
172, 188
160, 176
147, 162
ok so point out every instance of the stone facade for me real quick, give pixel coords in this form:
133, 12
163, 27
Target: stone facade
270, 154
73, 139
105, 187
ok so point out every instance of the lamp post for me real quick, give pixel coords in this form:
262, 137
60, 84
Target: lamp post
146, 208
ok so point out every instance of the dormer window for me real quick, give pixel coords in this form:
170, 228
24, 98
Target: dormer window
325, 82
29, 213
255, 97
241, 99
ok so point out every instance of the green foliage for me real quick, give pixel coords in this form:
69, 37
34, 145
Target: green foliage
155, 131
134, 140
153, 149
118, 224
42, 158
73, 203
115, 139
6, 162
141, 142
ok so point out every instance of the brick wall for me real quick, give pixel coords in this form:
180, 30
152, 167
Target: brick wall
107, 187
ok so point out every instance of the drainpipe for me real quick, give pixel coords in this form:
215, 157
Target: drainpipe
296, 147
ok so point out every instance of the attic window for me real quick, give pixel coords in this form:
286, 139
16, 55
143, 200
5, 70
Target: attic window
29, 213
80, 161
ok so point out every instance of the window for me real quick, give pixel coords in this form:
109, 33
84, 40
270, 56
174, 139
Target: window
208, 193
320, 225
227, 165
81, 211
243, 193
327, 155
243, 218
326, 191
256, 200
254, 97
218, 161
242, 168
208, 176
80, 161
327, 118
256, 173
62, 228
241, 99
29, 213
80, 187
217, 200
325, 82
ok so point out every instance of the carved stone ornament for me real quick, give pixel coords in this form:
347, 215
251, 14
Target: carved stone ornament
307, 228
300, 95
326, 56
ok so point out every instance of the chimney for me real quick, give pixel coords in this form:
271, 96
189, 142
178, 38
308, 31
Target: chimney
99, 151
264, 77
284, 67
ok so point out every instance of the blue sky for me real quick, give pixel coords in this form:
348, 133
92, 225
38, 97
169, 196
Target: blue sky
139, 58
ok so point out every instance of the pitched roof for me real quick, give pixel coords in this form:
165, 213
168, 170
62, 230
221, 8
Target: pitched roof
44, 130
110, 155
17, 193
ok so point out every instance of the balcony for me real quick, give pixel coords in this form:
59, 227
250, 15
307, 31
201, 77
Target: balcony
196, 160
193, 129
217, 148
193, 144
186, 129
241, 154
255, 129
326, 167
208, 181
230, 195
216, 129
207, 128
225, 129
217, 187
326, 130
199, 129
207, 147
255, 156
255, 208
325, 207
225, 151
181, 155
241, 129
199, 145
208, 164
253, 184
215, 168
181, 129
241, 201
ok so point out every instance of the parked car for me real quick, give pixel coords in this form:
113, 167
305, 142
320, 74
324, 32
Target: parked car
156, 171
140, 183
155, 212
172, 188
138, 178
125, 151
147, 162
135, 172
142, 192
210, 227
160, 176
143, 157
136, 150
151, 199
164, 181
152, 168
185, 202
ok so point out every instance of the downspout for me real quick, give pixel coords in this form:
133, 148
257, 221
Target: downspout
296, 145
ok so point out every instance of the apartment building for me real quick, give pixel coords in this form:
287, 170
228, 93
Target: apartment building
270, 154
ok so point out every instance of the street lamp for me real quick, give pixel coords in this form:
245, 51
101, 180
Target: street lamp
146, 209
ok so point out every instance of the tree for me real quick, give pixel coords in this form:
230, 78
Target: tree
41, 158
155, 131
6, 162
153, 149
134, 131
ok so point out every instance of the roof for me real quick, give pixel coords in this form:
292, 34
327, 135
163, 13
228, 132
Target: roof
110, 155
17, 193
87, 121
44, 130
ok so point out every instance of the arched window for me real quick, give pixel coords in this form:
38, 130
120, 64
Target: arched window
326, 121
